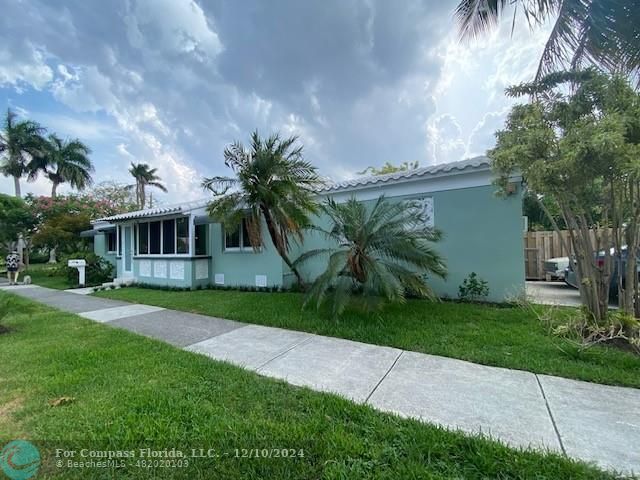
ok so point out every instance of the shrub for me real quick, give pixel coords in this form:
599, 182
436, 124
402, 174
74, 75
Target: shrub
98, 269
473, 288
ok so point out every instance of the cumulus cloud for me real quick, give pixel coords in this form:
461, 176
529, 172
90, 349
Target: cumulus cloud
171, 82
24, 68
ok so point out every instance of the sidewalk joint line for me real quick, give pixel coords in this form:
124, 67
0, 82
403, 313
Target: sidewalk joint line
302, 342
553, 421
384, 376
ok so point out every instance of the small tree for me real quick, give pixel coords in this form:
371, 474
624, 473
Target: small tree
381, 254
16, 219
577, 144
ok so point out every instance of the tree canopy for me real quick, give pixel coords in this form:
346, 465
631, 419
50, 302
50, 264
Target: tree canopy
577, 144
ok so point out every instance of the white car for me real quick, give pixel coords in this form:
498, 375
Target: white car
554, 268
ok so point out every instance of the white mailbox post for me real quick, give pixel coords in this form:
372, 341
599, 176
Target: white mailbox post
80, 264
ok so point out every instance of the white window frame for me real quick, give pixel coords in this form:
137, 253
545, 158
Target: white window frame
241, 248
106, 241
190, 221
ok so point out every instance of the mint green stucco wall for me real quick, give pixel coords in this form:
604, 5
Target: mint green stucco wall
241, 268
159, 271
100, 248
482, 233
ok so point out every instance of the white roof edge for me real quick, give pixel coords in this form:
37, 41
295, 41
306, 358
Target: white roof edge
475, 164
155, 212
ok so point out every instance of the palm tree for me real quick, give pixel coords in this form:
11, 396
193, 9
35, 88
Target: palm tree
71, 161
602, 33
20, 143
381, 254
272, 183
145, 177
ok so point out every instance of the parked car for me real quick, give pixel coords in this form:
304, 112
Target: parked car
570, 277
554, 268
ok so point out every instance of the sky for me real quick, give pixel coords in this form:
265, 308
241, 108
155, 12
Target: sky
172, 82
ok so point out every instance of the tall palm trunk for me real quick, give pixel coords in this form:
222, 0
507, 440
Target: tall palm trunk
277, 240
143, 196
16, 185
54, 189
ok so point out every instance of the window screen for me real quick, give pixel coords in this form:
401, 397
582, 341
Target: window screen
232, 238
201, 239
169, 236
154, 237
182, 232
143, 234
111, 242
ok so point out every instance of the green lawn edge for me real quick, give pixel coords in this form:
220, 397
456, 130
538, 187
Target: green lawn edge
486, 334
130, 392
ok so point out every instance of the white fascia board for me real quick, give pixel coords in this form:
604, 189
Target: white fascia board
414, 186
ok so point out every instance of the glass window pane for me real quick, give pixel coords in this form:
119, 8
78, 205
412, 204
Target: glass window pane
246, 241
143, 232
154, 237
111, 242
182, 232
119, 240
169, 236
201, 239
232, 238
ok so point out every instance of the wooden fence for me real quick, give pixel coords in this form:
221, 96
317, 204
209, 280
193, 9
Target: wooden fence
540, 246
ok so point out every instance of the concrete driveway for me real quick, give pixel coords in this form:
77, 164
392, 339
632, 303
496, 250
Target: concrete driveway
556, 293
553, 293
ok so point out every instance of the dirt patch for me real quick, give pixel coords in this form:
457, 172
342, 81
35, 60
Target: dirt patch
6, 409
622, 344
4, 329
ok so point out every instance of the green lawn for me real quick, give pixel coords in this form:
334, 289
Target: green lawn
45, 275
128, 392
501, 336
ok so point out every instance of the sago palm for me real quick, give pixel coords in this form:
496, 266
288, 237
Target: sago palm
145, 176
381, 254
585, 32
273, 183
20, 143
67, 161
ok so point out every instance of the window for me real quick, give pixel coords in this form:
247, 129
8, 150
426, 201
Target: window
169, 236
112, 242
163, 237
201, 239
143, 236
238, 239
119, 240
182, 235
154, 237
246, 240
232, 239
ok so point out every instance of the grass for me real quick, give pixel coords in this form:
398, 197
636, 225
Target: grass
490, 335
45, 275
126, 392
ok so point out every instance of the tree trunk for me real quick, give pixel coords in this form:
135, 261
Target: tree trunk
16, 185
52, 256
54, 189
143, 197
279, 243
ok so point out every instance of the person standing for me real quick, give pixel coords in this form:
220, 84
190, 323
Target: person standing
13, 265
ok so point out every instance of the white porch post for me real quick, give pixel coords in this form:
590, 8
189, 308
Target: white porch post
192, 234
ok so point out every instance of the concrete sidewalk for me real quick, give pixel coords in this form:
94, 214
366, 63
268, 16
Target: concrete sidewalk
587, 421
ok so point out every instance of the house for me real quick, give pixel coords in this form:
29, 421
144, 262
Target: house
179, 245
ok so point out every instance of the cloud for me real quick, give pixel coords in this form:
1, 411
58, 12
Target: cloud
24, 68
171, 83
